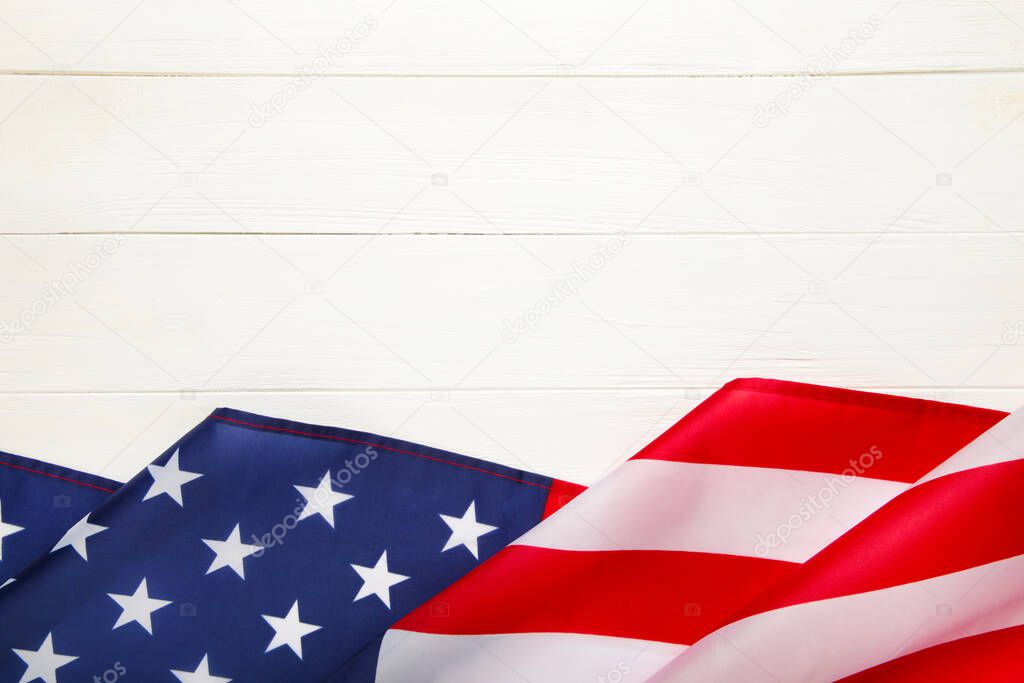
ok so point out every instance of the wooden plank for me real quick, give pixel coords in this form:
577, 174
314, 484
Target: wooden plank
505, 37
483, 155
399, 312
575, 435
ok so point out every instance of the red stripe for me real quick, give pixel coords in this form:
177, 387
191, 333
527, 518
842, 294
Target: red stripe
962, 520
332, 437
560, 495
949, 524
993, 657
768, 423
672, 597
56, 476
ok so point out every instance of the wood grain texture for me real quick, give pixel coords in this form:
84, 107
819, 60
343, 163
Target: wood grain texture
399, 312
485, 155
345, 238
504, 37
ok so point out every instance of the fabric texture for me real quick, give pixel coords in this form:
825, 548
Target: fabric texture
777, 532
261, 549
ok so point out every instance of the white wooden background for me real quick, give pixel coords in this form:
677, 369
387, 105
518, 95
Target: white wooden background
352, 258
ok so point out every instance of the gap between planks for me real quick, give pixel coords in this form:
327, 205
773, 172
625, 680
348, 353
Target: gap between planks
885, 389
507, 233
525, 75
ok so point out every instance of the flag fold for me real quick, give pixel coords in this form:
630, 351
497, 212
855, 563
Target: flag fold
778, 532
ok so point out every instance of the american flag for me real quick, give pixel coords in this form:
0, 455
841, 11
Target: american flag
778, 532
254, 549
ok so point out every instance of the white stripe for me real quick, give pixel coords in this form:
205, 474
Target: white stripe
751, 511
1002, 443
411, 657
829, 639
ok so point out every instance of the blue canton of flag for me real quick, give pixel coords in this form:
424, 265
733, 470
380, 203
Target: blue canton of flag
39, 504
254, 549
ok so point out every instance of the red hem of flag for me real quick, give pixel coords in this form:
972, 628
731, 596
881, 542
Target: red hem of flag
878, 435
56, 476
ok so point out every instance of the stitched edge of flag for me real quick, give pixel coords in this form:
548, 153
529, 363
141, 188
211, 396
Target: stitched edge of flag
217, 415
858, 397
44, 469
